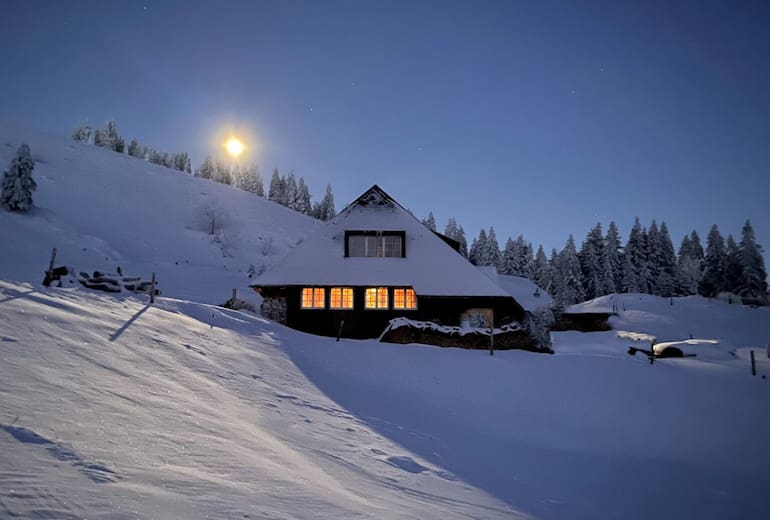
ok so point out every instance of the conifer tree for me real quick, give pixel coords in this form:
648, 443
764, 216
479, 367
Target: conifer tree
491, 254
754, 272
275, 191
665, 281
304, 205
734, 280
613, 261
207, 169
18, 183
591, 256
571, 283
508, 258
222, 173
82, 133
714, 264
451, 229
430, 221
634, 260
479, 245
135, 149
543, 276
463, 241
292, 192
555, 283
325, 209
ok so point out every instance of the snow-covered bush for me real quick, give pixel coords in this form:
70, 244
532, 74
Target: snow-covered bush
18, 183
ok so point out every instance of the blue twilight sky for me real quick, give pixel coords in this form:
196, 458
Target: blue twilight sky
539, 118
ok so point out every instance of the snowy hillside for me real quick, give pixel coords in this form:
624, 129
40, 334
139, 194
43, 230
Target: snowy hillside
102, 210
110, 408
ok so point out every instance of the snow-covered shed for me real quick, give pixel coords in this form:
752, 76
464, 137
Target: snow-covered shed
374, 262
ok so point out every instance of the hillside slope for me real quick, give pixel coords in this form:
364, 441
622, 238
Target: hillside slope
113, 409
102, 210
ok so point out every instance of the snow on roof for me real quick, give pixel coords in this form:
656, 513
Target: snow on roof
523, 290
430, 266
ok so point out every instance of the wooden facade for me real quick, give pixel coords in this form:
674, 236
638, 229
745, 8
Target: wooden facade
361, 323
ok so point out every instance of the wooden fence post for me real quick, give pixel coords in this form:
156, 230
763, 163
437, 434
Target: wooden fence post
753, 364
339, 332
233, 299
152, 289
49, 274
652, 352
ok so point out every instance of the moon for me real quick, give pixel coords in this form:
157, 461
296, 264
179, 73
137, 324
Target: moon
234, 146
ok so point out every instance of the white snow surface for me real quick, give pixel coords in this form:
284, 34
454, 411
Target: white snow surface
431, 267
525, 291
102, 210
110, 408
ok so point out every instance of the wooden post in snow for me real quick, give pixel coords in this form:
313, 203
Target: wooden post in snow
753, 364
492, 335
152, 289
49, 274
652, 352
339, 332
233, 298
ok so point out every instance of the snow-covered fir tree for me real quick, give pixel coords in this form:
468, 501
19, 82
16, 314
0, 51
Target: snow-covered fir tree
275, 191
613, 260
490, 255
508, 259
223, 173
108, 137
570, 288
754, 272
18, 183
304, 205
665, 280
324, 210
543, 277
479, 245
591, 258
291, 194
713, 264
82, 133
430, 221
648, 260
207, 169
135, 149
450, 229
463, 241
734, 280
634, 260
250, 180
555, 271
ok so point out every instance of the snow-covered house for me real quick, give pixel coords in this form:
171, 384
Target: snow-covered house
374, 262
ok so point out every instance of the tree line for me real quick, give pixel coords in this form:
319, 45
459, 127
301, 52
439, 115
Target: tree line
647, 263
285, 190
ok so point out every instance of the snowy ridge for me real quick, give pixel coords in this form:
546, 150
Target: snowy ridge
104, 210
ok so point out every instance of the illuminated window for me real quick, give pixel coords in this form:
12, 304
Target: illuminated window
404, 299
313, 298
377, 298
341, 298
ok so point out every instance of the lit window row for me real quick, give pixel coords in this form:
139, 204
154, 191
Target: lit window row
342, 298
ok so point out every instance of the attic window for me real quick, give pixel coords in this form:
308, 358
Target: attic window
404, 299
376, 298
374, 244
313, 298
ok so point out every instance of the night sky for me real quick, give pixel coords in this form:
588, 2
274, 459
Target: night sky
538, 118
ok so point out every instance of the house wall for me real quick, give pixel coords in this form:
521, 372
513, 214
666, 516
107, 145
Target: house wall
360, 322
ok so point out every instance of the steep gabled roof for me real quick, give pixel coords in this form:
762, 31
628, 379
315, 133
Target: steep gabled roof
431, 266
